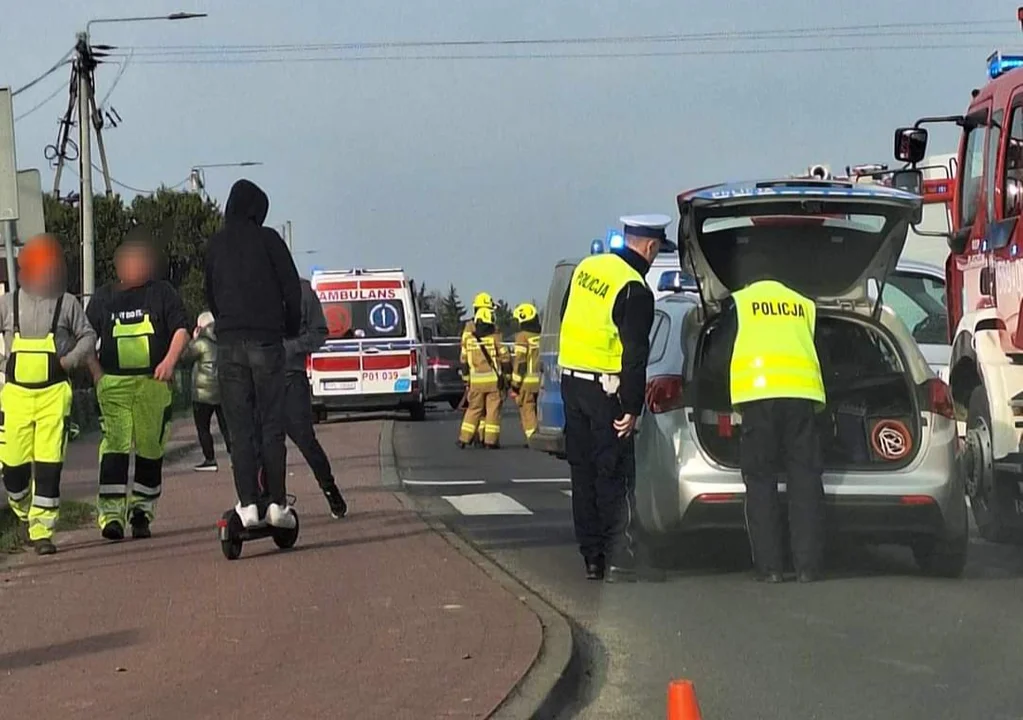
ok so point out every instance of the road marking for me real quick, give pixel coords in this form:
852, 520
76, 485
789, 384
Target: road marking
444, 482
541, 480
487, 504
567, 492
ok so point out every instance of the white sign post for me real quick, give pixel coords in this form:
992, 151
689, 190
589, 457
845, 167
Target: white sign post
8, 181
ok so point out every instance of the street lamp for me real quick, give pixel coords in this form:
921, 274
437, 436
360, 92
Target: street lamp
197, 178
85, 61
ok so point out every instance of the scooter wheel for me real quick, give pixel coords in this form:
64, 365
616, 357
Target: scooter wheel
231, 544
286, 539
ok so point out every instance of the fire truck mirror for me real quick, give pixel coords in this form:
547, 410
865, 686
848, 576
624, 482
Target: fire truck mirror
957, 241
911, 180
910, 144
987, 281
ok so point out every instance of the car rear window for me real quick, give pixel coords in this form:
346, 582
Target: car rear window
659, 332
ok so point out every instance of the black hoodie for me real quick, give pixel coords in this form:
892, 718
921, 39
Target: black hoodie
252, 285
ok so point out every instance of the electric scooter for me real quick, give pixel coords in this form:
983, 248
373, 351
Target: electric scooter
233, 534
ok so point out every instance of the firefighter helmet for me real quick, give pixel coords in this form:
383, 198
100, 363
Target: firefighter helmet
525, 312
482, 300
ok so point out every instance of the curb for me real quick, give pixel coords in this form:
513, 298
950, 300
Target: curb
535, 692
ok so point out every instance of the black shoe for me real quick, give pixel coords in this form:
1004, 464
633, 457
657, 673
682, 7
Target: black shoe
595, 568
477, 441
338, 506
140, 526
460, 445
113, 530
207, 466
44, 546
808, 576
771, 577
495, 446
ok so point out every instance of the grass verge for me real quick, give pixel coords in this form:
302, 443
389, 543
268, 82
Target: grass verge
73, 515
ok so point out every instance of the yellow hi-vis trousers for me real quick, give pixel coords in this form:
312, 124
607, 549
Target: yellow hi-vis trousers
526, 401
35, 427
133, 407
484, 411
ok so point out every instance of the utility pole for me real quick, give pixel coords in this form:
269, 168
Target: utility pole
287, 236
85, 170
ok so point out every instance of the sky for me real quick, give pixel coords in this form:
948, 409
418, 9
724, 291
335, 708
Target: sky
484, 172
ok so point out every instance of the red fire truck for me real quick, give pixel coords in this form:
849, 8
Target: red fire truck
984, 274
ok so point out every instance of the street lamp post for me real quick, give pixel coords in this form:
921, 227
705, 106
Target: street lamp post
85, 142
197, 178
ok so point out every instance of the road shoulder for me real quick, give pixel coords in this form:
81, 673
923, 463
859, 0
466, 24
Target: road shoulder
537, 694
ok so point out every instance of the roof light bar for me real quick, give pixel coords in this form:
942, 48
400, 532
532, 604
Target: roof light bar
998, 64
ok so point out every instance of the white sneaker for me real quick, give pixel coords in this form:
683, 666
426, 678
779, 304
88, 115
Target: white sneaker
249, 515
281, 516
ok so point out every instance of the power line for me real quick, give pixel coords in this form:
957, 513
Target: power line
126, 186
60, 89
120, 73
565, 56
56, 66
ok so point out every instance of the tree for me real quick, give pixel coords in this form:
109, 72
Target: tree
450, 313
180, 224
503, 319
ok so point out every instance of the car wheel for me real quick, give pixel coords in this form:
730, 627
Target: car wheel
417, 412
944, 555
990, 493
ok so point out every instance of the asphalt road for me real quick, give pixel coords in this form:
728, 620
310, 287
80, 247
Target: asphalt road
876, 640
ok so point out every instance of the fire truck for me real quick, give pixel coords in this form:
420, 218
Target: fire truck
984, 274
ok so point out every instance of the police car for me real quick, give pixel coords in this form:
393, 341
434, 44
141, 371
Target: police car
372, 359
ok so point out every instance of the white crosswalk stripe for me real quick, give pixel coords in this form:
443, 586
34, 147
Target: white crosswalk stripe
563, 481
487, 504
567, 492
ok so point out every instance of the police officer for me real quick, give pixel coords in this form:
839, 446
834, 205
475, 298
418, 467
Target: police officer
775, 383
486, 364
603, 348
482, 300
525, 379
45, 335
143, 329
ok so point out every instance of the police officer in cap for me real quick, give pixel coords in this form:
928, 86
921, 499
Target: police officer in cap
775, 383
603, 348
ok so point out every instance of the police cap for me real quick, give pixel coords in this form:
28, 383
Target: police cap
646, 226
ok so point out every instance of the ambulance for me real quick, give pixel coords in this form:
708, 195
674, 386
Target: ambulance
373, 357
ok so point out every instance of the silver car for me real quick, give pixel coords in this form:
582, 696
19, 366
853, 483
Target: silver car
916, 293
888, 435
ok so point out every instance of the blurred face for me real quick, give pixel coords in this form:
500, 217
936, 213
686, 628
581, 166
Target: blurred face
134, 265
46, 281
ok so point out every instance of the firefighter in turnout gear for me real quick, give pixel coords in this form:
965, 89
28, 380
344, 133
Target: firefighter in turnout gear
603, 348
143, 329
487, 365
45, 335
525, 380
775, 384
482, 300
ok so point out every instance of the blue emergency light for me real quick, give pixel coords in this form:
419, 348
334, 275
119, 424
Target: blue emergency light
316, 269
615, 239
999, 64
596, 247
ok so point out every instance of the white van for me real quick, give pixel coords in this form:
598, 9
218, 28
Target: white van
373, 357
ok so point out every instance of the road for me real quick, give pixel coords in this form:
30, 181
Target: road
876, 640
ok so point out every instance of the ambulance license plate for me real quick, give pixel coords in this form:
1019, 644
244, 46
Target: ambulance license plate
339, 385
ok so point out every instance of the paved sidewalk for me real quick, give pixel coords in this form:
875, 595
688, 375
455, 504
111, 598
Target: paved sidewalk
374, 616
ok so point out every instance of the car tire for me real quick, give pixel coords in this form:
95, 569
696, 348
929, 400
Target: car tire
944, 555
417, 412
989, 512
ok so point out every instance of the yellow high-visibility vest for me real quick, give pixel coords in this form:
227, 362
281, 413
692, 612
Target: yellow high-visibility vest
589, 338
774, 355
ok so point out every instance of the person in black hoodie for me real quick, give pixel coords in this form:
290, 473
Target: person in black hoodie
253, 291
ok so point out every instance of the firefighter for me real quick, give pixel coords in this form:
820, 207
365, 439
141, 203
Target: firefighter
487, 365
603, 347
482, 300
525, 379
143, 329
775, 384
46, 334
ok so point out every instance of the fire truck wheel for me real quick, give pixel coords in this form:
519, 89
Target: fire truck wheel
990, 491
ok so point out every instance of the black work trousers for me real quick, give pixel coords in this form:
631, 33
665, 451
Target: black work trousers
203, 414
298, 424
252, 394
779, 438
603, 471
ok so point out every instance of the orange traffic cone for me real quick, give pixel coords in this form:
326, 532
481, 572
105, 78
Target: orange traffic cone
682, 703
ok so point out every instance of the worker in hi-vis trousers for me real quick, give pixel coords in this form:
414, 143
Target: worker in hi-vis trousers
485, 365
482, 300
45, 335
525, 380
142, 330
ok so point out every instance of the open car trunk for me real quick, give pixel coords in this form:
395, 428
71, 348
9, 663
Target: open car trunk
871, 401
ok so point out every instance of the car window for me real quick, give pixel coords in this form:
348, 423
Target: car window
994, 142
659, 333
972, 171
1012, 165
919, 301
556, 294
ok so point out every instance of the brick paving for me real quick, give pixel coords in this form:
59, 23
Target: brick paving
374, 616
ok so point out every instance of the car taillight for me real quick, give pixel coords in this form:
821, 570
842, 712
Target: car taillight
940, 399
414, 355
664, 393
309, 365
